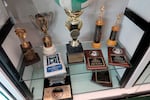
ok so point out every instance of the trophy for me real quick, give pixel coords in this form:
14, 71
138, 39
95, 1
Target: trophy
74, 10
112, 41
99, 24
30, 56
42, 22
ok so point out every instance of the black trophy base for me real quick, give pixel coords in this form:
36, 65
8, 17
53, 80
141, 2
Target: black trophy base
75, 54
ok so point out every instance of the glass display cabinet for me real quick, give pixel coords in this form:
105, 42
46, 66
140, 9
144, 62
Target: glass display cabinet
81, 78
30, 80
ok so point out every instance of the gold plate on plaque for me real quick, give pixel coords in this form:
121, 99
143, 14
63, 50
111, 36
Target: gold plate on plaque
57, 93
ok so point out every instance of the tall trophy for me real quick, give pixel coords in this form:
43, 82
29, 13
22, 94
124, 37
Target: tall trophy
30, 57
112, 41
73, 10
99, 24
42, 22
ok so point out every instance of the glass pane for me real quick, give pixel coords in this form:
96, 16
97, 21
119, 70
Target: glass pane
145, 76
4, 94
139, 7
127, 33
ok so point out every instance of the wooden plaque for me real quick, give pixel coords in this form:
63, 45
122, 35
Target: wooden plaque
57, 93
95, 60
102, 77
117, 57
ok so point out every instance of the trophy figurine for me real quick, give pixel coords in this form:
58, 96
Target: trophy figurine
42, 21
30, 57
74, 10
99, 24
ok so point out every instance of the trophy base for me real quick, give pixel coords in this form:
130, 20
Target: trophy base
96, 45
111, 43
103, 78
58, 91
30, 56
25, 49
75, 54
30, 62
50, 50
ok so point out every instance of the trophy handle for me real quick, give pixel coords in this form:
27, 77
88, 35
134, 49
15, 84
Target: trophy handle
50, 16
33, 21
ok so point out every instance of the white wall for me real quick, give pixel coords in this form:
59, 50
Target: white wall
141, 8
11, 45
3, 14
130, 35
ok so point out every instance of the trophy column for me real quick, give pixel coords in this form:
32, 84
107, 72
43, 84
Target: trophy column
99, 24
74, 48
112, 41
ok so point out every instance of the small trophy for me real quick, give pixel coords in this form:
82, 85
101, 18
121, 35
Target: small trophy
99, 24
30, 57
112, 41
74, 10
42, 21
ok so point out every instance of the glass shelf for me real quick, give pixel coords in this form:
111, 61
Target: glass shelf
33, 75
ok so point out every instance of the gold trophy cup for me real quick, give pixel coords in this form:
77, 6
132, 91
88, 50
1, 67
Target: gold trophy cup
74, 10
74, 47
42, 21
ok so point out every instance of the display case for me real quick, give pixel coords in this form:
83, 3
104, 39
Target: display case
81, 77
30, 79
